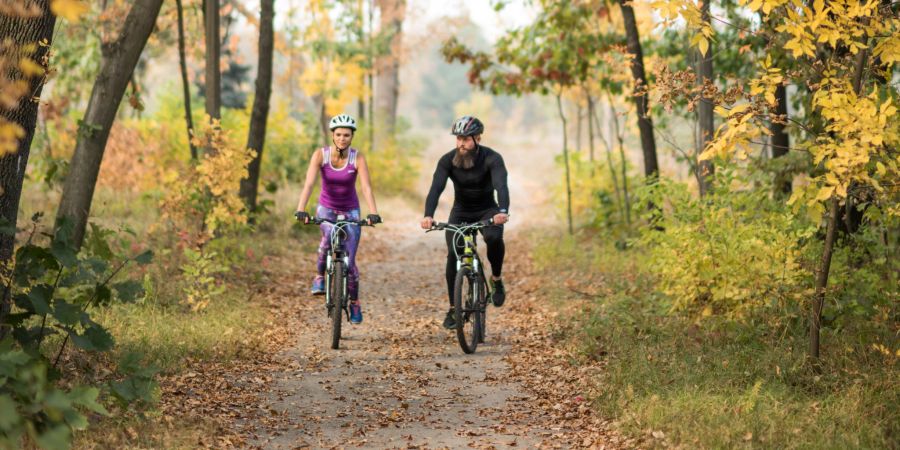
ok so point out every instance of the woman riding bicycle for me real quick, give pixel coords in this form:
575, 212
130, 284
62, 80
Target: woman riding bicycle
339, 167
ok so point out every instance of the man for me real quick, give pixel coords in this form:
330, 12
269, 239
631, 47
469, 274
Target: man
477, 171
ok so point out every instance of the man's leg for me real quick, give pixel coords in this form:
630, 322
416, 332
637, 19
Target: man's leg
450, 272
496, 250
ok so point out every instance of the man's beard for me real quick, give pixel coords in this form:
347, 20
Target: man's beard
464, 160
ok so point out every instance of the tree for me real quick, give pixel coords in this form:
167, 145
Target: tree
387, 82
213, 81
639, 94
185, 85
117, 65
706, 126
30, 27
260, 113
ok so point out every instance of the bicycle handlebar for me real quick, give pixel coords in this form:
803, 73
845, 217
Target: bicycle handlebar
438, 226
319, 221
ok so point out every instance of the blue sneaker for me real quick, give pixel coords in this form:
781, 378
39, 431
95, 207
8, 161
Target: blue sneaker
318, 285
355, 312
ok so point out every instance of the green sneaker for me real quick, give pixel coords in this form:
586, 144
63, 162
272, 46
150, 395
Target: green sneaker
450, 320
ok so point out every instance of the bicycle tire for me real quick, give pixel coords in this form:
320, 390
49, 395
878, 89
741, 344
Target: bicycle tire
336, 290
463, 299
481, 315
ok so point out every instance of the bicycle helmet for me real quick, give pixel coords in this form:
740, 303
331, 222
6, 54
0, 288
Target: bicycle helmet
467, 126
342, 121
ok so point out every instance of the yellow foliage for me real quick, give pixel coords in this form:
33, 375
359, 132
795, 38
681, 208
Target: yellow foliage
71, 10
208, 191
338, 82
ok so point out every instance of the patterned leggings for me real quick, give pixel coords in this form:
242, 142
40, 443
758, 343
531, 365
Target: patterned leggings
351, 243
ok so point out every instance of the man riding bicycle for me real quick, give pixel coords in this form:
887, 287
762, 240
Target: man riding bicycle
477, 171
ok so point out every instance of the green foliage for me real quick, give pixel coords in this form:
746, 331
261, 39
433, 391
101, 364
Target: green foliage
729, 253
598, 197
394, 165
200, 284
52, 289
675, 382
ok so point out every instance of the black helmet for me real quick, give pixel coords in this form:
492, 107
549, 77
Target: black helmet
467, 126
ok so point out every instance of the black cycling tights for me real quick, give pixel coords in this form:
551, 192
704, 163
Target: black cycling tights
493, 238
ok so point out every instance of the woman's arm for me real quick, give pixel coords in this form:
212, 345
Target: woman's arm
312, 172
366, 182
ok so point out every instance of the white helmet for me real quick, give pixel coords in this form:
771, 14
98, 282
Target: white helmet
342, 121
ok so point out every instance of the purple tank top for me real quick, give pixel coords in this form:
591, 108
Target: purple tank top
339, 185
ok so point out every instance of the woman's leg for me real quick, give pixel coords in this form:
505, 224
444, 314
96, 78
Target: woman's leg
351, 244
325, 242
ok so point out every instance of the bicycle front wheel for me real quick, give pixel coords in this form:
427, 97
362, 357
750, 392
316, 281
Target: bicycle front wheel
465, 291
481, 315
338, 302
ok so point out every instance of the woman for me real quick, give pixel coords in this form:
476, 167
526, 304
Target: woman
339, 167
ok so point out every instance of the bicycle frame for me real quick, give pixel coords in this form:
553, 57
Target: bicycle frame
469, 257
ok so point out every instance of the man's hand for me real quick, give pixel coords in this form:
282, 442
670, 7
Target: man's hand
427, 223
501, 218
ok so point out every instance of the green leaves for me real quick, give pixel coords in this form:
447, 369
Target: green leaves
53, 288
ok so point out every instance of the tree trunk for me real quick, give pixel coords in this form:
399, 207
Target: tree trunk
620, 138
258, 117
609, 159
185, 84
562, 117
578, 128
645, 124
705, 168
590, 122
213, 58
823, 270
20, 32
387, 84
117, 64
781, 141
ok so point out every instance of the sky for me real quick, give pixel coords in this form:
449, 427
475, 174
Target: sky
420, 13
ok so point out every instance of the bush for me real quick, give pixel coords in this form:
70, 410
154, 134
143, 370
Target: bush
729, 253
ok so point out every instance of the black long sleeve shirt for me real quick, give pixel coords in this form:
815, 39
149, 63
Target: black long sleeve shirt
473, 188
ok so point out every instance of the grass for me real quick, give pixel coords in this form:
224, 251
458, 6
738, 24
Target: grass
679, 382
167, 335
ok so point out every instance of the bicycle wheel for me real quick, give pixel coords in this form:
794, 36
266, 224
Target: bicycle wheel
464, 293
481, 314
336, 291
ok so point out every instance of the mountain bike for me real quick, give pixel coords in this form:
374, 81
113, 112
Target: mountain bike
337, 269
471, 289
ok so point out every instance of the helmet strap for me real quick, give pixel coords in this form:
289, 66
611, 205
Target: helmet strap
341, 151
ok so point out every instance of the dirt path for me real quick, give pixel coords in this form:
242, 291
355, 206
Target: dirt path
400, 380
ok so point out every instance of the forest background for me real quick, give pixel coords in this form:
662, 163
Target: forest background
727, 182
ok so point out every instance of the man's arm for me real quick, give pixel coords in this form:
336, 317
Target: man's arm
438, 183
498, 178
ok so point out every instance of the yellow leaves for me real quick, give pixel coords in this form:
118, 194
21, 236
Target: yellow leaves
10, 133
340, 82
71, 10
213, 182
689, 11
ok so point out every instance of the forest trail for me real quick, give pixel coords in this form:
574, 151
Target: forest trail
399, 379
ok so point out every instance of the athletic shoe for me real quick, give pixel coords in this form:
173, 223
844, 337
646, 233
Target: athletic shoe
318, 285
499, 295
355, 312
450, 320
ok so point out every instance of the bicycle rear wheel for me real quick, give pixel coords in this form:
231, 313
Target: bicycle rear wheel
336, 291
464, 306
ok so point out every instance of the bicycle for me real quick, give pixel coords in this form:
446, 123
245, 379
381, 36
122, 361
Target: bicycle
471, 288
337, 269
